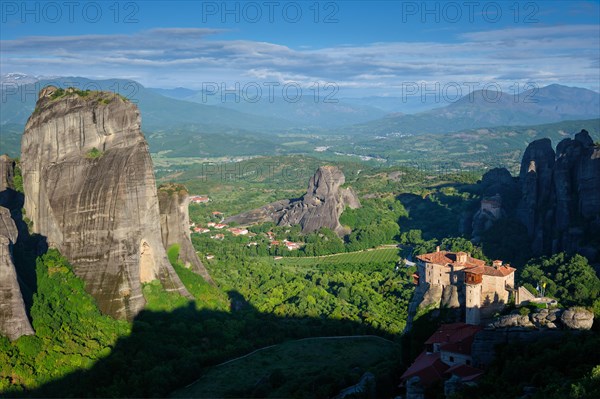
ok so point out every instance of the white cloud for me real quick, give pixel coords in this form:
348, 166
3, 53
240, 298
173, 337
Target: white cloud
188, 56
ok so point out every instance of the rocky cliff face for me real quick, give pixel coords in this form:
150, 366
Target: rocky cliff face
13, 318
322, 204
499, 191
90, 189
173, 202
535, 179
557, 197
7, 168
560, 202
7, 171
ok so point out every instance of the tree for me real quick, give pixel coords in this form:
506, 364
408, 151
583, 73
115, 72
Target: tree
570, 279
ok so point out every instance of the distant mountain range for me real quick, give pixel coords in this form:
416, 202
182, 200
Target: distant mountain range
309, 110
158, 112
188, 122
482, 109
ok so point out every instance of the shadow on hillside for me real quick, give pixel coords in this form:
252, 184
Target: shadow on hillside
168, 350
436, 219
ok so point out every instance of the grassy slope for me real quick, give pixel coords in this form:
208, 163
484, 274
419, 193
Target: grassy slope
296, 367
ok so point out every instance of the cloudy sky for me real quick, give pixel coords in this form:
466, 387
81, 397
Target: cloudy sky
364, 48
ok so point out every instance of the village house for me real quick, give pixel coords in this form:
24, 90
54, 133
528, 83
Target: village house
220, 226
211, 224
237, 231
291, 245
482, 289
201, 230
199, 199
447, 354
218, 236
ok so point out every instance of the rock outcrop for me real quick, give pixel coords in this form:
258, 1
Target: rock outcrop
557, 197
321, 206
500, 195
90, 189
7, 172
13, 318
366, 387
173, 200
560, 200
512, 320
577, 319
483, 349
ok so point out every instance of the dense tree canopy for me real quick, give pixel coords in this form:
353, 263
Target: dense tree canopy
570, 279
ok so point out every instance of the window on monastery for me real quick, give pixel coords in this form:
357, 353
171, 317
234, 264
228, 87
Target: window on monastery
452, 359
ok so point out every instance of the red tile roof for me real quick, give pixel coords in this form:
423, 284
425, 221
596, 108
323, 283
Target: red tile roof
456, 338
466, 373
452, 333
449, 258
462, 346
428, 367
501, 271
472, 265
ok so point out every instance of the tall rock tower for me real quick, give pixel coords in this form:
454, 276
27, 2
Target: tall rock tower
90, 189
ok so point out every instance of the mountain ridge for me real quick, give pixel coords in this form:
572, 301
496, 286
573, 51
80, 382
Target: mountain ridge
481, 109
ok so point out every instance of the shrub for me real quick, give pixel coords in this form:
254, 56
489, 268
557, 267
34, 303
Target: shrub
94, 153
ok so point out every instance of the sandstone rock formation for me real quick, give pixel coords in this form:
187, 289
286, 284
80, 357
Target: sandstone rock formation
577, 319
557, 197
7, 168
90, 189
512, 320
573, 318
500, 194
321, 206
7, 171
13, 318
560, 200
432, 296
173, 200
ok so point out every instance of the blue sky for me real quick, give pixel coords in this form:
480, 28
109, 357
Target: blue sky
365, 48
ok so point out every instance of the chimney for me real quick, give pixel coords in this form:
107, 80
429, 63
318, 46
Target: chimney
497, 264
437, 249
